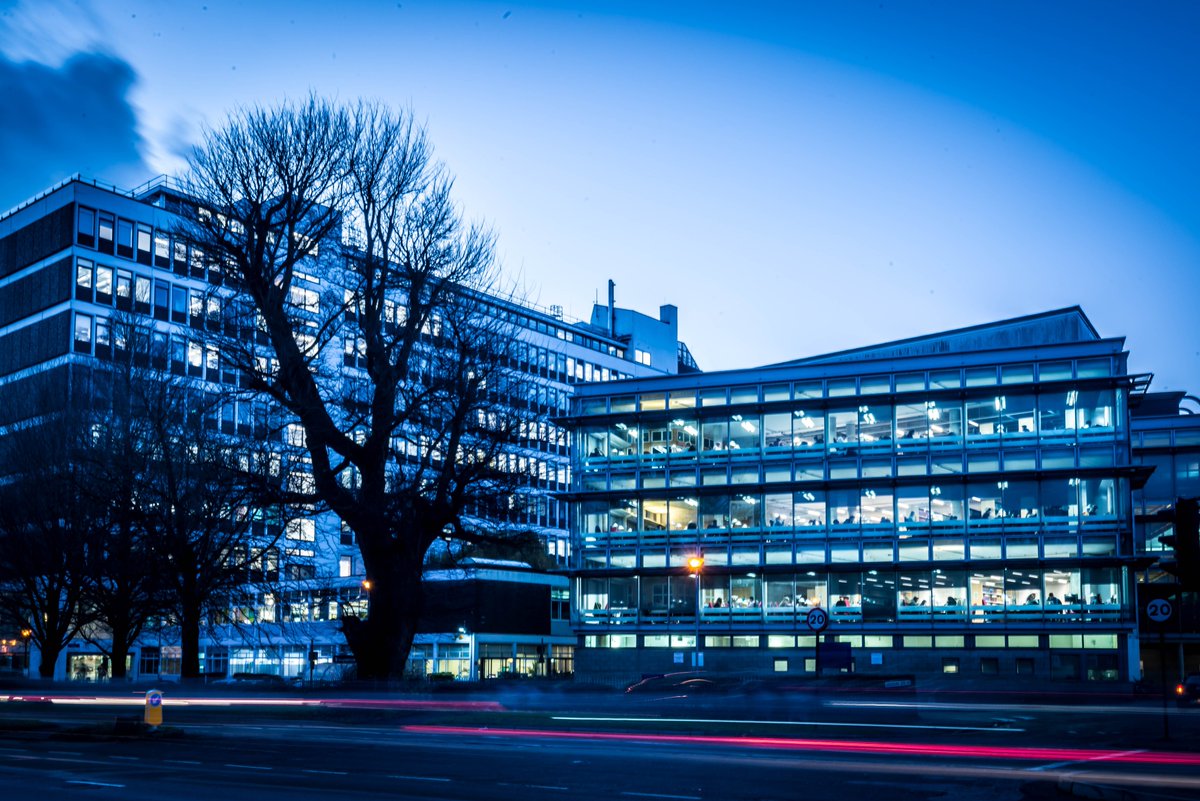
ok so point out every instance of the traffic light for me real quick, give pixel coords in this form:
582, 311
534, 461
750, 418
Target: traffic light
1185, 541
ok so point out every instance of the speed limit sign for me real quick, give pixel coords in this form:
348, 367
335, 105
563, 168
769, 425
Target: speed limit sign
1159, 610
817, 619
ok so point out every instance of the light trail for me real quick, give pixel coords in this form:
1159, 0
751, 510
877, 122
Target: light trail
1029, 753
335, 703
812, 723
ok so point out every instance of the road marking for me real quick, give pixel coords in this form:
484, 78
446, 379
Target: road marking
66, 753
1100, 758
92, 784
247, 767
126, 758
794, 723
183, 762
326, 772
547, 787
419, 778
662, 795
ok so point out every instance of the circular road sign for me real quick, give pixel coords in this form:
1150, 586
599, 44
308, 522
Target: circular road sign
817, 619
1159, 610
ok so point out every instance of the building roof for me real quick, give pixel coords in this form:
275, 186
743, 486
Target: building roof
1059, 326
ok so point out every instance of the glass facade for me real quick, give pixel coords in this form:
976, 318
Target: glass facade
919, 498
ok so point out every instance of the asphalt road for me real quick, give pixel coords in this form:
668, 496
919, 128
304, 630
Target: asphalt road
935, 749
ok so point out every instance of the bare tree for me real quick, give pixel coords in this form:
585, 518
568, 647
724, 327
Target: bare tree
180, 506
210, 506
386, 353
46, 527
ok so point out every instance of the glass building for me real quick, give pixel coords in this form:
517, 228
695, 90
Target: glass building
1166, 439
959, 503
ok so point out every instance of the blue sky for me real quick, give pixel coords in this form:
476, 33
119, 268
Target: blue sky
797, 177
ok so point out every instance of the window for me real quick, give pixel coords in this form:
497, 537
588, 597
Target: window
143, 244
949, 664
125, 239
162, 250
641, 356
85, 229
104, 284
149, 661
83, 333
103, 338
301, 571
303, 529
179, 304
162, 295
124, 290
106, 233
141, 293
84, 271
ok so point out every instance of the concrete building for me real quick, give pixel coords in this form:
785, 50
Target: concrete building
81, 252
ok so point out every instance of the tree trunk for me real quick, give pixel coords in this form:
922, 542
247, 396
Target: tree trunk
189, 645
120, 653
48, 657
382, 641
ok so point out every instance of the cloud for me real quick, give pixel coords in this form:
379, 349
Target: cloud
59, 120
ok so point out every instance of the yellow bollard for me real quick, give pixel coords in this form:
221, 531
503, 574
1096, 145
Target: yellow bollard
153, 716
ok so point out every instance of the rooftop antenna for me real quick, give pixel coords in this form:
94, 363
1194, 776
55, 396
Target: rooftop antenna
612, 311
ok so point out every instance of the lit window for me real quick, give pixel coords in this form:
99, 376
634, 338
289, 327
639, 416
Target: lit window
83, 333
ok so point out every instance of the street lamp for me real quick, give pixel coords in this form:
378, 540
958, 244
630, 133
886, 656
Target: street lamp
25, 635
696, 567
472, 675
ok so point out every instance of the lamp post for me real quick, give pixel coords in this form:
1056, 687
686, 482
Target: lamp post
25, 635
472, 673
367, 586
696, 567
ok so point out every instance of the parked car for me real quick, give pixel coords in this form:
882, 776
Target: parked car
685, 684
263, 680
1187, 692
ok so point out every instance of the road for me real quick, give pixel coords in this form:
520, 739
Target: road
964, 752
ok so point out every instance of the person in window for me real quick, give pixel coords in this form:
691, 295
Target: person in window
1052, 600
842, 601
1031, 599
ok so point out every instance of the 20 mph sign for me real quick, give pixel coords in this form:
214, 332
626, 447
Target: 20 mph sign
817, 619
1159, 610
